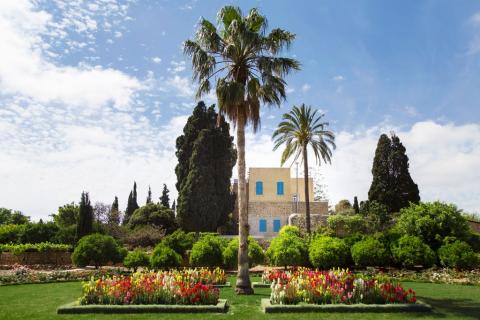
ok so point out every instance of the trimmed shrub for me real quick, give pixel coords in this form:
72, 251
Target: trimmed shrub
433, 222
328, 252
369, 252
457, 254
180, 241
164, 257
34, 247
136, 258
288, 248
290, 230
255, 253
207, 252
410, 251
97, 249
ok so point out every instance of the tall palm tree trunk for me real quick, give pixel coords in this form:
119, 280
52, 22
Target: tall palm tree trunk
307, 195
243, 285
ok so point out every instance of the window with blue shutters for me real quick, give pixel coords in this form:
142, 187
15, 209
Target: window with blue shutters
262, 225
280, 188
259, 188
276, 225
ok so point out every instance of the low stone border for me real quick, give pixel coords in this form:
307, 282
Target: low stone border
76, 308
226, 285
419, 306
260, 285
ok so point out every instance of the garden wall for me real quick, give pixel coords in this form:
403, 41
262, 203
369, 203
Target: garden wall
60, 258
474, 225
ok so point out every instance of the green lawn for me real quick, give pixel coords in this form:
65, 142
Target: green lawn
39, 301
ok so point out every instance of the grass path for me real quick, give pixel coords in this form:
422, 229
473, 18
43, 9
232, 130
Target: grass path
39, 301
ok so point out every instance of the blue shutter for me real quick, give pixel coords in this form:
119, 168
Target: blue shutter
262, 225
259, 188
276, 225
280, 188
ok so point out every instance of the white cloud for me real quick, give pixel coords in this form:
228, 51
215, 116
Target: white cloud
26, 70
156, 60
338, 78
176, 67
182, 86
306, 87
474, 45
444, 161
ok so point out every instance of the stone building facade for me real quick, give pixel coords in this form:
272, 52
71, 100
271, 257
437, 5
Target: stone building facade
276, 199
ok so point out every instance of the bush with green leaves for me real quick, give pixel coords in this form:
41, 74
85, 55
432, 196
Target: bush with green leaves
255, 253
433, 222
410, 251
288, 248
369, 252
34, 247
136, 258
164, 257
97, 249
39, 232
180, 241
11, 233
458, 255
328, 252
346, 224
153, 214
207, 252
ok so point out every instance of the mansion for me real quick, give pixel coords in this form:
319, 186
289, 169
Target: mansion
276, 199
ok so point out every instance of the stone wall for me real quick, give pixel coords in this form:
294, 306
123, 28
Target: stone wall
316, 220
60, 258
474, 225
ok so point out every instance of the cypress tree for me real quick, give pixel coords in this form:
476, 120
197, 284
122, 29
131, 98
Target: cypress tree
114, 216
132, 204
392, 184
174, 205
206, 158
149, 196
406, 189
356, 208
85, 217
165, 199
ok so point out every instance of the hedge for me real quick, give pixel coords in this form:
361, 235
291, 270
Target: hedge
34, 247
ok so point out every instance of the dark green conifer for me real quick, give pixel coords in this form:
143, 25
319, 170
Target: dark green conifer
165, 199
85, 217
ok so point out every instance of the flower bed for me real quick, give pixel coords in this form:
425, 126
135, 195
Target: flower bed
24, 275
160, 288
335, 287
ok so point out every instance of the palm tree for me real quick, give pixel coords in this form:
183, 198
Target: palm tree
299, 129
243, 61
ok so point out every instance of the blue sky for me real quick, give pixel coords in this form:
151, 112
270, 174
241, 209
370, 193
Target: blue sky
94, 93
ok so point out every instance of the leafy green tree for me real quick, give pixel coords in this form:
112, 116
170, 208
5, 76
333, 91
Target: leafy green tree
369, 252
301, 129
328, 252
132, 204
205, 198
39, 232
207, 252
433, 222
375, 214
149, 196
164, 257
459, 255
136, 258
392, 184
343, 205
411, 251
244, 60
165, 199
153, 214
85, 217
255, 253
8, 216
180, 241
